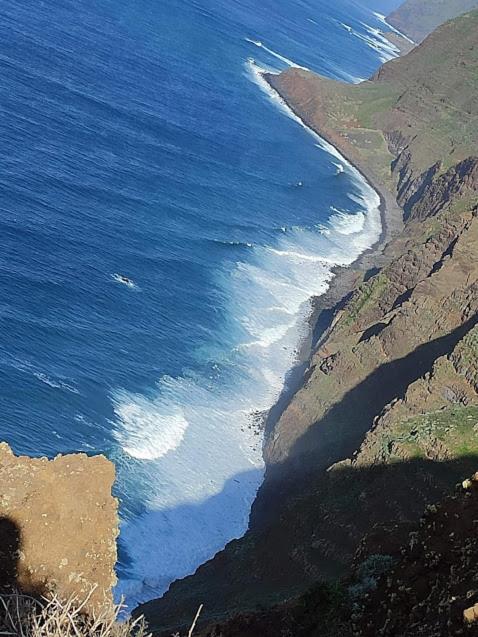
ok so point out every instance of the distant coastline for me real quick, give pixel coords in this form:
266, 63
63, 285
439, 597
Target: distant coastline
345, 277
391, 213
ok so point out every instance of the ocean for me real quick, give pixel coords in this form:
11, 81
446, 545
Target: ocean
165, 221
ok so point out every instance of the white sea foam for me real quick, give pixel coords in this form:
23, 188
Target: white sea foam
346, 27
120, 278
389, 50
150, 427
375, 40
383, 19
348, 77
347, 224
55, 382
340, 168
344, 74
278, 56
192, 448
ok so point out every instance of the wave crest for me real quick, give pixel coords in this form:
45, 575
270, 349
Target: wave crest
148, 429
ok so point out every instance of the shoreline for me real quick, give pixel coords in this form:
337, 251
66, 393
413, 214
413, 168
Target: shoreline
343, 283
317, 327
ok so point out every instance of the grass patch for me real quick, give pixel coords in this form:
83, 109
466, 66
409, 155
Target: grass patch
366, 294
455, 428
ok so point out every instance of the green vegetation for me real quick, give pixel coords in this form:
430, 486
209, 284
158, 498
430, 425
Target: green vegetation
374, 99
455, 428
436, 85
426, 99
368, 292
368, 574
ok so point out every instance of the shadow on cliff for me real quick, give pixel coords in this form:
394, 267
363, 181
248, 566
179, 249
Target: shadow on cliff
11, 577
342, 429
193, 529
310, 537
308, 521
10, 544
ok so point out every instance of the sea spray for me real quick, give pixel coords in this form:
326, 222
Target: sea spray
199, 432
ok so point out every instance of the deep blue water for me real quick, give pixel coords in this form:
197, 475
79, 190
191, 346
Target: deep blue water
135, 140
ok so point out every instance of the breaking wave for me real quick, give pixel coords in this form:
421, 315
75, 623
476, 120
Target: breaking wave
278, 56
375, 40
195, 444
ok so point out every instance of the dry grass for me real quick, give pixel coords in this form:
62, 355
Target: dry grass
25, 616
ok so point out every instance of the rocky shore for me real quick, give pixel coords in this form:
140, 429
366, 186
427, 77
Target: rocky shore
382, 423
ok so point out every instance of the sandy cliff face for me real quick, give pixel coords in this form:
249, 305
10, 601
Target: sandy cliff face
58, 524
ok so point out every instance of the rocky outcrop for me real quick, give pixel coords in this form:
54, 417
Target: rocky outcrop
58, 525
415, 302
437, 191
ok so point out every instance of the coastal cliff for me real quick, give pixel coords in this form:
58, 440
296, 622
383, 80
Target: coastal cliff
418, 18
385, 422
58, 526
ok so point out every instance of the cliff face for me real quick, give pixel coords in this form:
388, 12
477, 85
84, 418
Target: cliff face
405, 581
58, 525
414, 121
418, 18
386, 420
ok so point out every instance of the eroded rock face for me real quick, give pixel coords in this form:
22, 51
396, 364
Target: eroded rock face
58, 524
387, 417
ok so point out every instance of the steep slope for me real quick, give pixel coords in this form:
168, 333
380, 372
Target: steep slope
385, 420
418, 18
396, 380
420, 109
431, 588
406, 581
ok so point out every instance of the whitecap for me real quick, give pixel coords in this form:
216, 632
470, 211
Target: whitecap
348, 224
124, 280
55, 383
340, 168
147, 429
278, 56
383, 19
375, 40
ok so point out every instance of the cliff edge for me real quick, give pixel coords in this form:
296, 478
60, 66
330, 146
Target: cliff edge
58, 525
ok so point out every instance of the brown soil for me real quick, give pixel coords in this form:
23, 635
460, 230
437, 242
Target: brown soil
58, 525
